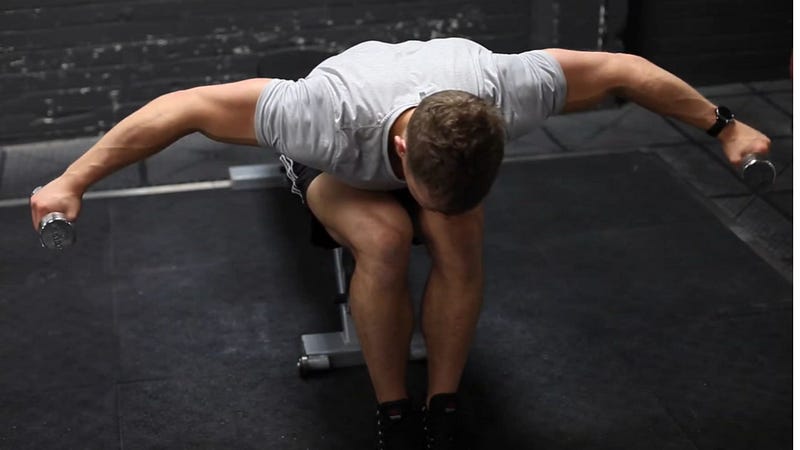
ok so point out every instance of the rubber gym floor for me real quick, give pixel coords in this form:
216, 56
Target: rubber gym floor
638, 296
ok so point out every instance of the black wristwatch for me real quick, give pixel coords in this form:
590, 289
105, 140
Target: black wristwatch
724, 118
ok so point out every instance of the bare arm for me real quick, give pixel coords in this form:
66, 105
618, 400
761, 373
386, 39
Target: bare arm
591, 76
222, 112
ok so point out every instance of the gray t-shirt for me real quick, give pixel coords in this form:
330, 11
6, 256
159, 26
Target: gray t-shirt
338, 118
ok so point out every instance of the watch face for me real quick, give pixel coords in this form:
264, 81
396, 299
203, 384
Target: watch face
724, 113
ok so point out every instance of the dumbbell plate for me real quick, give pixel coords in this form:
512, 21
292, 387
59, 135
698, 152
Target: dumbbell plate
758, 173
56, 232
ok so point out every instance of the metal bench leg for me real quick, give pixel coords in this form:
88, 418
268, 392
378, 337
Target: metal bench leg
324, 351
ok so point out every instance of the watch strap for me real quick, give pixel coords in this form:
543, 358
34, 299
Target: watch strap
721, 122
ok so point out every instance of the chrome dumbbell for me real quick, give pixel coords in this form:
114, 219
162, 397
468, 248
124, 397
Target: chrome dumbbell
55, 231
757, 172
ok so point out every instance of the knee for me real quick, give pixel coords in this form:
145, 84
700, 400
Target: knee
455, 243
384, 246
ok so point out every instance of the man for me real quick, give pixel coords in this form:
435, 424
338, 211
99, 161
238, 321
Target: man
384, 139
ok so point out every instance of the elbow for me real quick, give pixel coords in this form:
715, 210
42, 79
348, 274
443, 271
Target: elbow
631, 72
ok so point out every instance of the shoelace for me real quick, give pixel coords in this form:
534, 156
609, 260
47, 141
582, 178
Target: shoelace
381, 428
447, 424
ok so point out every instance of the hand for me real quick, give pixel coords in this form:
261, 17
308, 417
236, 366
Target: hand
56, 196
739, 140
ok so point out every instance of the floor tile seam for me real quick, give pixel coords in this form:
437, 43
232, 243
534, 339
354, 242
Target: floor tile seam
568, 154
639, 382
166, 268
725, 217
659, 146
234, 262
2, 166
583, 146
752, 85
719, 159
751, 200
561, 146
650, 391
122, 382
632, 146
274, 373
118, 416
776, 309
751, 91
143, 173
107, 384
696, 146
622, 113
772, 204
747, 194
692, 320
108, 268
666, 409
780, 306
115, 384
765, 96
712, 317
762, 248
736, 215
697, 142
612, 228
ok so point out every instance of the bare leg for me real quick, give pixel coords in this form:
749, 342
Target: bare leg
378, 232
453, 295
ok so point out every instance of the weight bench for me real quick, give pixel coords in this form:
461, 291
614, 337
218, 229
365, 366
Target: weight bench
320, 351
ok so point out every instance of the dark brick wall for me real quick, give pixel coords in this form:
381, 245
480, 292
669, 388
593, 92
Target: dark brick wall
76, 67
714, 41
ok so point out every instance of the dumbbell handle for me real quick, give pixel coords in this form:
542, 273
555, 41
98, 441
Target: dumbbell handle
55, 231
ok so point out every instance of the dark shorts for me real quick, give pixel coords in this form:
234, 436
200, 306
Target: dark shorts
300, 178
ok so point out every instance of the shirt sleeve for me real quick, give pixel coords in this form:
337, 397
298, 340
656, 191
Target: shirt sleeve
296, 119
532, 88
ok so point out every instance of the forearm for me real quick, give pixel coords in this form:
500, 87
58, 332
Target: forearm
143, 133
662, 92
591, 76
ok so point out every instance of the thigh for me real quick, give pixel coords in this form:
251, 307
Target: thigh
455, 242
357, 219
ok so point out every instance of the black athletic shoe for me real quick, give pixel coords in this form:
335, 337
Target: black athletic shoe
398, 426
440, 421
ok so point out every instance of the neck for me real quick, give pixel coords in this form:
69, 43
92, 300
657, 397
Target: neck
398, 129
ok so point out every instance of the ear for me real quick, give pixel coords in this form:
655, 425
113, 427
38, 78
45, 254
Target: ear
400, 146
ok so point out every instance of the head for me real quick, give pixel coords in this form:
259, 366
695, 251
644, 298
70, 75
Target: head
452, 151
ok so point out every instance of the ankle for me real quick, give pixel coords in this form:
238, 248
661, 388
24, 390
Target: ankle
441, 400
394, 407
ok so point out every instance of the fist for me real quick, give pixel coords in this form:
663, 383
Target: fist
56, 196
741, 140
